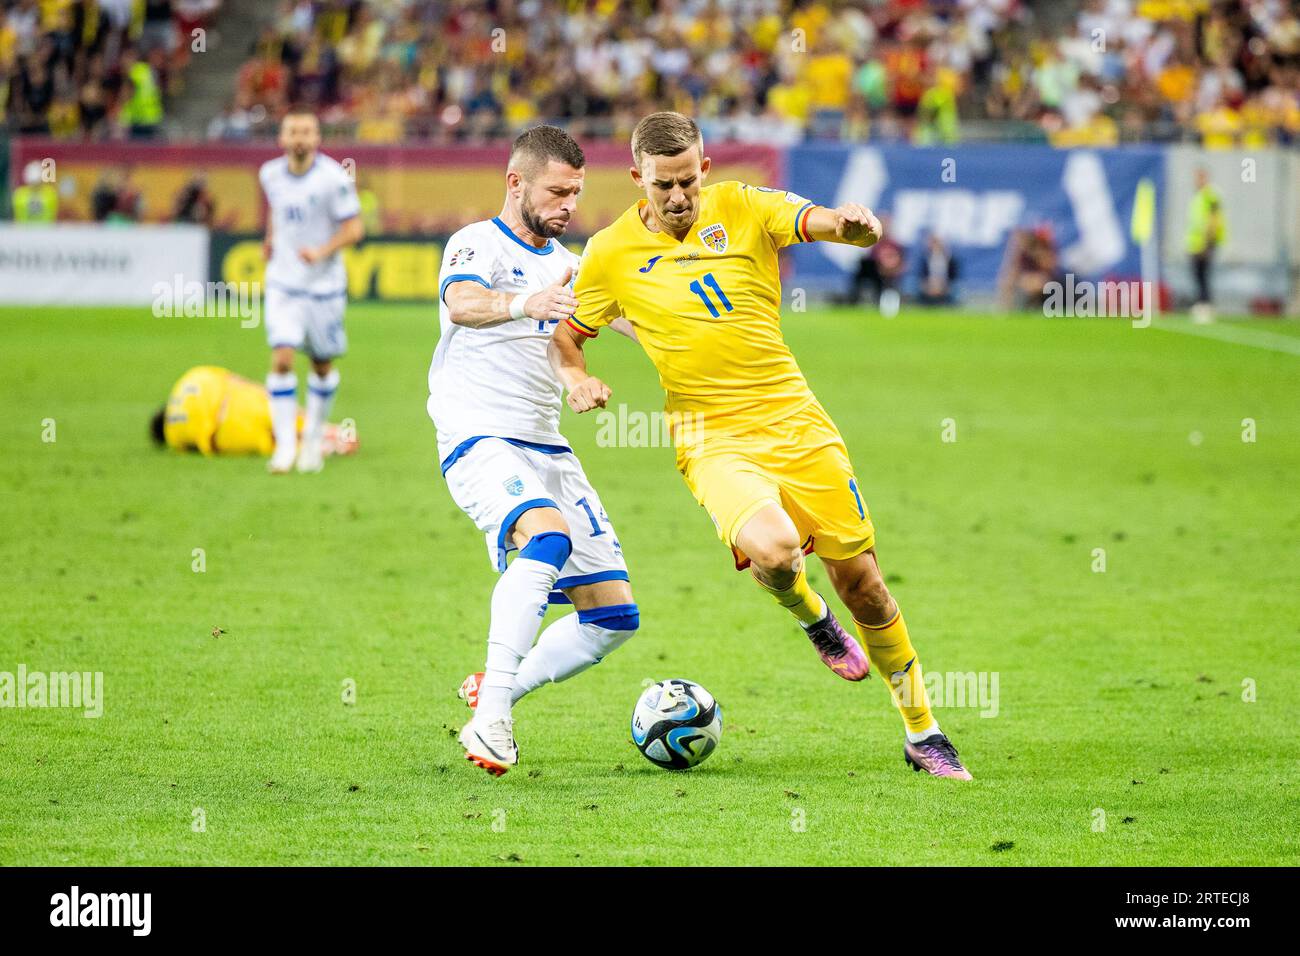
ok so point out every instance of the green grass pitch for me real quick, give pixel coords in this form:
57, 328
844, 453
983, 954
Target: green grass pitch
1123, 733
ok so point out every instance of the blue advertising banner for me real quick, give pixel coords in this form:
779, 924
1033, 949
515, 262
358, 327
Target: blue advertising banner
974, 197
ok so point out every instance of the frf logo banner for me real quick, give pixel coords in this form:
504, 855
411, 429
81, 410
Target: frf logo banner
974, 197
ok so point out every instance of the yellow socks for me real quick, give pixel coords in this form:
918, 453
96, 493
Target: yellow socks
894, 658
799, 599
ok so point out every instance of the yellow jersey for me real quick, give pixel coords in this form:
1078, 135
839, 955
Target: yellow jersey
707, 310
215, 411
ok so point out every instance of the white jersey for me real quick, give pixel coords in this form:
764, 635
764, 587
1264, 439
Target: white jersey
306, 210
496, 381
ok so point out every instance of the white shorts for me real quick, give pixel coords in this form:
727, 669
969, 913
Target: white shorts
308, 322
494, 482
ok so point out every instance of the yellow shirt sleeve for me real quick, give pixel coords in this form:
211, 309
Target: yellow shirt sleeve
784, 215
597, 306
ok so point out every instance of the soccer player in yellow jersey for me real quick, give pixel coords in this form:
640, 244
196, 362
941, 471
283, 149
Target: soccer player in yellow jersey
216, 412
694, 268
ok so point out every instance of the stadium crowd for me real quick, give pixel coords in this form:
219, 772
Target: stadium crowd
94, 69
776, 71
1221, 72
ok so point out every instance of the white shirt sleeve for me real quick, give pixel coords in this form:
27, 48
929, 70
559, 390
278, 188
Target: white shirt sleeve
343, 198
468, 256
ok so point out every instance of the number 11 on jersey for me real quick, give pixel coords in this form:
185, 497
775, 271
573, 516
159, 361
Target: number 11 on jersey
712, 283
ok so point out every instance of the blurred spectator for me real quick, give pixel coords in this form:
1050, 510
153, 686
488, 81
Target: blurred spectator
1029, 264
239, 120
882, 268
936, 113
92, 100
33, 93
936, 273
370, 216
195, 203
158, 32
35, 202
115, 198
1206, 231
142, 109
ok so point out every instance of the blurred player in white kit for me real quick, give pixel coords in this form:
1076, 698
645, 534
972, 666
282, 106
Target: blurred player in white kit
314, 213
504, 287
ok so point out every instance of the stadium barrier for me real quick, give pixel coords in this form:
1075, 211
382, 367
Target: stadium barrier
386, 268
406, 190
975, 196
72, 264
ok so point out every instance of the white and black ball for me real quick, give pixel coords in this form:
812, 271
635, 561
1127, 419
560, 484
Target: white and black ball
676, 724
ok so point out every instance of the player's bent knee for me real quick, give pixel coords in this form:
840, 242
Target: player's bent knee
608, 628
777, 556
549, 547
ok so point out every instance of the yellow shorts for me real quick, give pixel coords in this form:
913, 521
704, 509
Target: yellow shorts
800, 464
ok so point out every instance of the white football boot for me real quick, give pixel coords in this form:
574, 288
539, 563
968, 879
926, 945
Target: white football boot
310, 458
490, 744
281, 463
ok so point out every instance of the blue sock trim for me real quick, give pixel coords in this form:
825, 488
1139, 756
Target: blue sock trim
612, 617
322, 392
285, 393
549, 547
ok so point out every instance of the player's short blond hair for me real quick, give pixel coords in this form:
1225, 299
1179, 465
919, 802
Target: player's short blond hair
665, 134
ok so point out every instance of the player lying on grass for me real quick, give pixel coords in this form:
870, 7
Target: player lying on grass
504, 288
694, 268
313, 214
214, 411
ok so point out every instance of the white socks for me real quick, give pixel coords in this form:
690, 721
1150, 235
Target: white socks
916, 736
518, 604
320, 397
573, 643
282, 389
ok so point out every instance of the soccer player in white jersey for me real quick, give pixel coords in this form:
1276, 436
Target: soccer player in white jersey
314, 213
504, 286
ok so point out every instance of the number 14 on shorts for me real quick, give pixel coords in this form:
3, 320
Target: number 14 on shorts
596, 529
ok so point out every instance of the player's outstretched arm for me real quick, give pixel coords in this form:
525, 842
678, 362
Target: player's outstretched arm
471, 305
851, 224
570, 365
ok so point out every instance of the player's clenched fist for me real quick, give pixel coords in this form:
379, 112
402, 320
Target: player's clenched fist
555, 303
588, 394
856, 224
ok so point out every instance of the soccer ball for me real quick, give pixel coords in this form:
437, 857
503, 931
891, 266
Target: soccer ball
676, 724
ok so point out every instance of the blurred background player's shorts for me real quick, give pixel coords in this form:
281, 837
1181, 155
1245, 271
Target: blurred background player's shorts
301, 320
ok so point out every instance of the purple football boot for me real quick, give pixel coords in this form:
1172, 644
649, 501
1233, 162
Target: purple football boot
936, 756
838, 650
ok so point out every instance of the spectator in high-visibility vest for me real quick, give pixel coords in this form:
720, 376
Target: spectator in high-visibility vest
369, 200
1206, 232
142, 113
35, 202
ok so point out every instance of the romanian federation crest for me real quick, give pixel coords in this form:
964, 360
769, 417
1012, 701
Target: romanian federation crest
715, 237
514, 486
